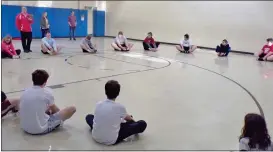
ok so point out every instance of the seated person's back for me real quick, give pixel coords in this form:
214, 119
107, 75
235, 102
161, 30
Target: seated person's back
108, 117
110, 123
34, 103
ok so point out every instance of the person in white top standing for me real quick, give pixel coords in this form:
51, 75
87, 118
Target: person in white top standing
121, 43
107, 123
38, 112
186, 45
255, 136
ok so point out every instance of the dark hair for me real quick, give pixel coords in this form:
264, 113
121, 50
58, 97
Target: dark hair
269, 40
187, 36
225, 40
112, 89
39, 77
120, 32
255, 129
47, 32
150, 33
89, 36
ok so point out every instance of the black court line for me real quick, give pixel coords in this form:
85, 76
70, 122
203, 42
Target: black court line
237, 83
109, 59
169, 63
98, 78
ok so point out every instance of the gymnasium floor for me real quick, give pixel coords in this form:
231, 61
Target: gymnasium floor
190, 101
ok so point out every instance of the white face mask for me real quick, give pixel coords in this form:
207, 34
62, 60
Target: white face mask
270, 43
120, 36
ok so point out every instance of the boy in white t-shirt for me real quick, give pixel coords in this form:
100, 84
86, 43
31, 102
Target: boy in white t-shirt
121, 43
186, 45
107, 122
38, 112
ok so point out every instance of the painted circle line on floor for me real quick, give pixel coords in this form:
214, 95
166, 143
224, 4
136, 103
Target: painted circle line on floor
151, 69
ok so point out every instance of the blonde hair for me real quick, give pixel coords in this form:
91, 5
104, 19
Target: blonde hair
6, 37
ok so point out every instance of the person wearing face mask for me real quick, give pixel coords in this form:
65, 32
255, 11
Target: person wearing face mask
149, 43
49, 45
266, 54
223, 49
8, 50
87, 46
121, 43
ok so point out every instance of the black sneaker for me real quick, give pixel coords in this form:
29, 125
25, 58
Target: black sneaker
26, 51
14, 110
260, 59
74, 39
30, 50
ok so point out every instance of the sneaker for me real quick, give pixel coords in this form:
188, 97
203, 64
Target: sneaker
74, 39
49, 52
30, 50
26, 51
260, 59
14, 110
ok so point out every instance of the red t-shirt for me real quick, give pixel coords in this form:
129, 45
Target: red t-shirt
72, 20
149, 40
266, 49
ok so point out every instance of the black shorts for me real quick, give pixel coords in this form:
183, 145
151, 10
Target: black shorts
123, 45
85, 51
45, 52
262, 55
186, 48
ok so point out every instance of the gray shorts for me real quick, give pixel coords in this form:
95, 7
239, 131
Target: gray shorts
54, 122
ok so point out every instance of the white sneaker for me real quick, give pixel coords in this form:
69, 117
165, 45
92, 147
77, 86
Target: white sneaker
49, 52
15, 57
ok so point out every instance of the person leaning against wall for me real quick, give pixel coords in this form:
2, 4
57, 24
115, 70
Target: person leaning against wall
23, 24
72, 22
44, 24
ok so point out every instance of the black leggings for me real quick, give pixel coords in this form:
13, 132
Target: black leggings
26, 38
126, 129
6, 55
146, 46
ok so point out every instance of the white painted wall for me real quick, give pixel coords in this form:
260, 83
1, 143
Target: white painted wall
246, 24
61, 4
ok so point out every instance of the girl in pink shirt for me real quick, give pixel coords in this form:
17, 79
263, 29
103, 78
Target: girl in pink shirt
7, 49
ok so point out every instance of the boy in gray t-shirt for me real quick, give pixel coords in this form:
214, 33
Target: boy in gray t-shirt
107, 123
38, 112
87, 46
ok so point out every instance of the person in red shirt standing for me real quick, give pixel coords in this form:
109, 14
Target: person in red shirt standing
7, 49
149, 43
266, 54
72, 22
23, 24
